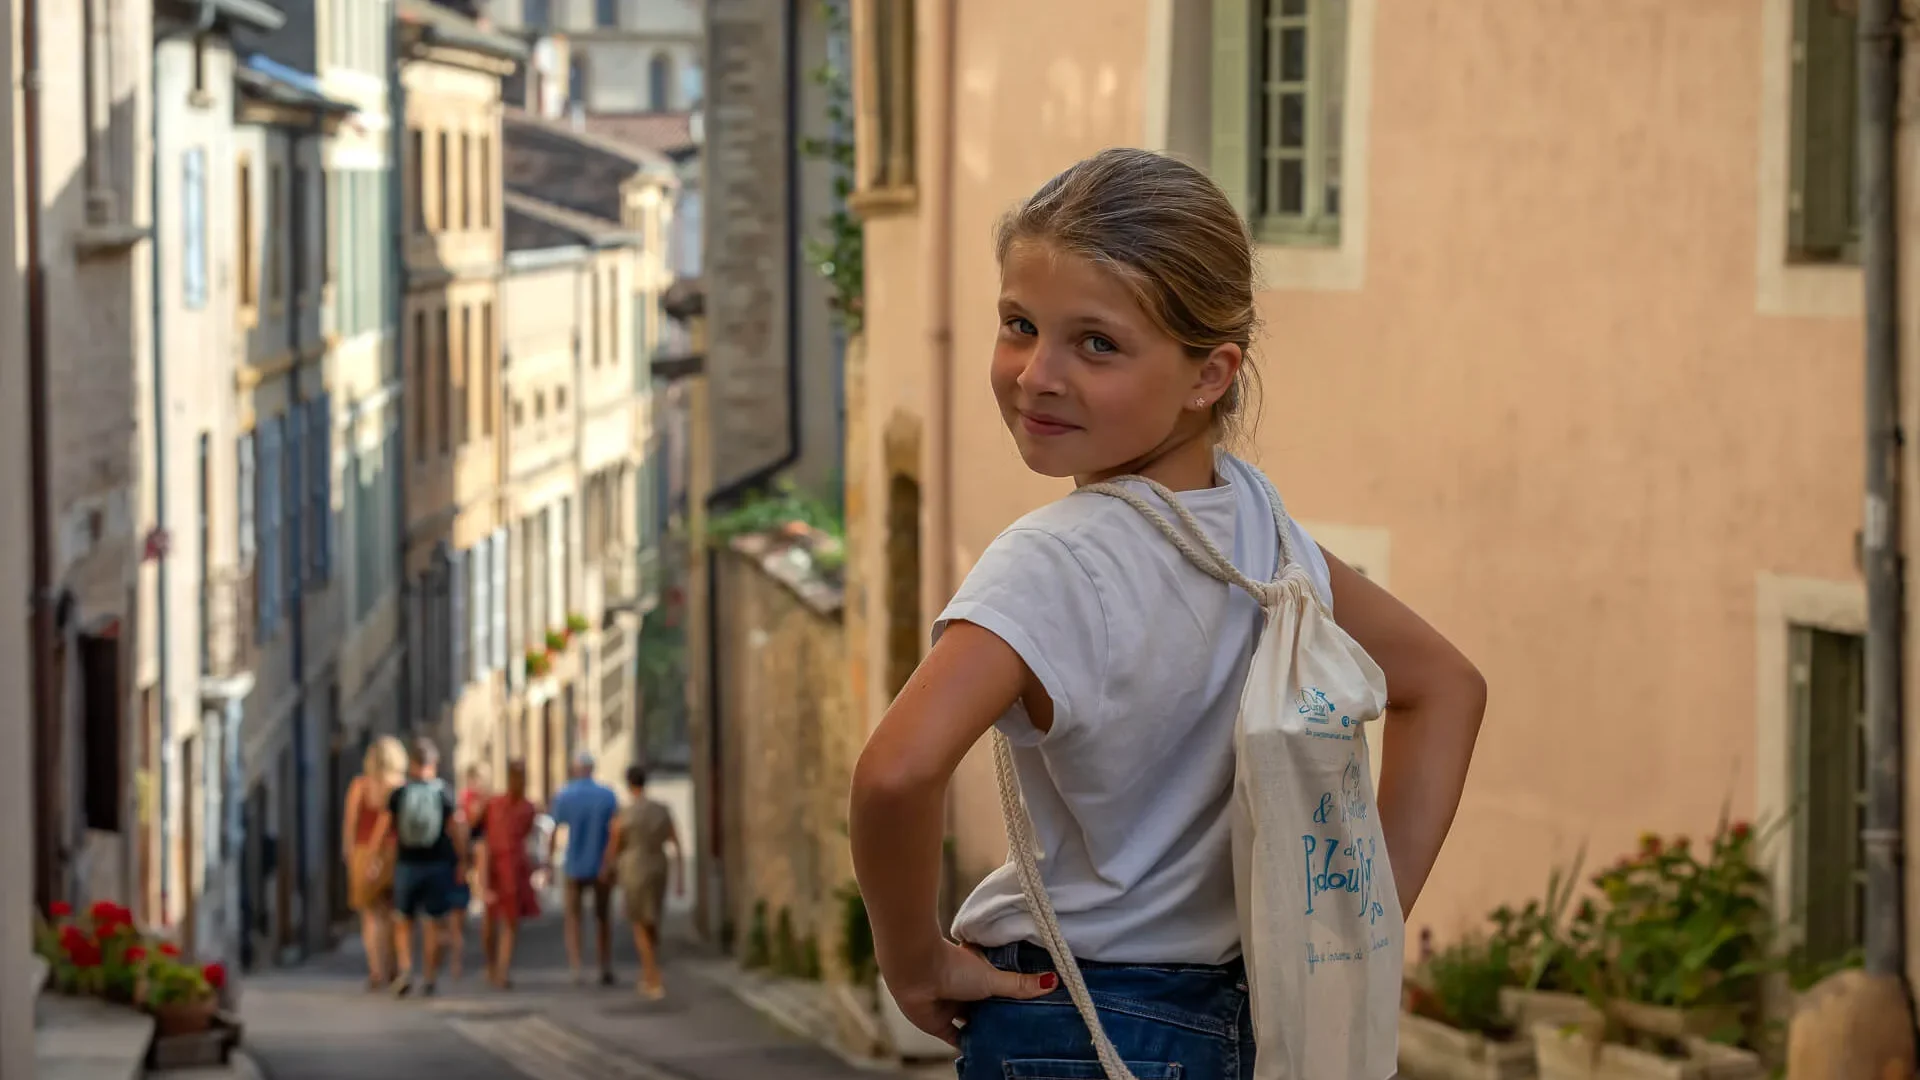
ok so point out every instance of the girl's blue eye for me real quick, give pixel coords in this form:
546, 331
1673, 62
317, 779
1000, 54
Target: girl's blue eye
1022, 326
1098, 344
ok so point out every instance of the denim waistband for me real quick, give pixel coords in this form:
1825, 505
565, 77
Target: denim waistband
1028, 958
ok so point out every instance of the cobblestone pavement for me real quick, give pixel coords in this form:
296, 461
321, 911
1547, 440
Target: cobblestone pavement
318, 1022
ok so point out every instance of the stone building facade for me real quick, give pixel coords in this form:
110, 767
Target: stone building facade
452, 219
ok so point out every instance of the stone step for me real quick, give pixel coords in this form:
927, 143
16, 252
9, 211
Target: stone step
87, 1039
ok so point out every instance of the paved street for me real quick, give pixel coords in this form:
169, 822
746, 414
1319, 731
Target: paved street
318, 1022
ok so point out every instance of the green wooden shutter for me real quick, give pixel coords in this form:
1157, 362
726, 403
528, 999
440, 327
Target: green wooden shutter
1829, 710
1233, 89
1820, 208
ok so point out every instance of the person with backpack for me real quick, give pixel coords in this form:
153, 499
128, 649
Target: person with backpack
430, 848
1179, 683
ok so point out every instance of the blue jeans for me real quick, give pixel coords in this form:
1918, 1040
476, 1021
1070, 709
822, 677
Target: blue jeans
1169, 1022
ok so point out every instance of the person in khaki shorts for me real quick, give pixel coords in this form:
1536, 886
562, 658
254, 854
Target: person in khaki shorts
586, 808
637, 859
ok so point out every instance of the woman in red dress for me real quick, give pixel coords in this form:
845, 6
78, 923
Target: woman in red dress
509, 872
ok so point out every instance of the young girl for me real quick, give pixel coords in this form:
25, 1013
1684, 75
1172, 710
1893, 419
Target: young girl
1114, 666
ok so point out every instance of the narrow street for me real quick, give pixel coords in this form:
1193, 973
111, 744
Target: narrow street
318, 1022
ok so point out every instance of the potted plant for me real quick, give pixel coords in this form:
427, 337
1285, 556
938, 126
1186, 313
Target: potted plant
539, 662
182, 996
576, 624
1551, 951
1680, 948
557, 640
1454, 1027
96, 954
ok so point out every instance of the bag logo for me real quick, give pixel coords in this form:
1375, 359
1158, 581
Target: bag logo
1318, 708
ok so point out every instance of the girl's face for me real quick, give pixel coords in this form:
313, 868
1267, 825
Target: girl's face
1090, 387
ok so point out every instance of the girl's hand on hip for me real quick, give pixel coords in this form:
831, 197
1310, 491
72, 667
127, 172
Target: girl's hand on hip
936, 996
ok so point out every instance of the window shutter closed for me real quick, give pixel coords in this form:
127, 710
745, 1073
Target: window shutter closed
1821, 208
457, 629
500, 599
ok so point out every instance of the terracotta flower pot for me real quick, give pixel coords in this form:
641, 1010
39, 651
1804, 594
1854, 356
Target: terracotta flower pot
183, 1017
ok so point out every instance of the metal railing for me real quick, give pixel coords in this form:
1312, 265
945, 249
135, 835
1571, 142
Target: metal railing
227, 615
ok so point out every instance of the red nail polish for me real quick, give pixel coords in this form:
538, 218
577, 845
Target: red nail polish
1049, 981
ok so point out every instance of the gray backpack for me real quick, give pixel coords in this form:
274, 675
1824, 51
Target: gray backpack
423, 815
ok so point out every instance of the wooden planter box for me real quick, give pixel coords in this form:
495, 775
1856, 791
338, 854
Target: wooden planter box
200, 1049
1525, 1008
1566, 1055
1430, 1050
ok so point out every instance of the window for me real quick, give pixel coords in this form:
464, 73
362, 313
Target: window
1829, 706
660, 82
486, 181
199, 68
464, 411
330, 221
1278, 114
577, 79
442, 369
883, 80
535, 14
299, 234
593, 317
418, 391
249, 262
441, 219
193, 227
1823, 220
560, 401
606, 13
276, 230
267, 484
293, 501
417, 180
489, 367
320, 449
203, 542
466, 180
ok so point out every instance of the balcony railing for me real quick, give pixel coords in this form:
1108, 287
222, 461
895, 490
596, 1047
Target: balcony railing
226, 624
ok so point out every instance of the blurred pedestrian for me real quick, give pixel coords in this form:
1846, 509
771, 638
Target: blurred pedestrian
370, 867
586, 807
468, 802
508, 870
431, 845
637, 859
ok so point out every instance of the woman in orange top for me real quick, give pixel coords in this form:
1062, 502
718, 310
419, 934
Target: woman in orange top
509, 872
370, 868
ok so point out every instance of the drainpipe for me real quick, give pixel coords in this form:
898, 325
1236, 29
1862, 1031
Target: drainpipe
50, 858
937, 182
1879, 48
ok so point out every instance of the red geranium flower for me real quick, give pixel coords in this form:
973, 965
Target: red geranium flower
85, 954
135, 954
170, 950
72, 937
215, 974
1741, 830
60, 909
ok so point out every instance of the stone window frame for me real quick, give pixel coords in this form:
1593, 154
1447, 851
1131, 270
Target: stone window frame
1787, 287
885, 103
1179, 75
246, 242
1784, 604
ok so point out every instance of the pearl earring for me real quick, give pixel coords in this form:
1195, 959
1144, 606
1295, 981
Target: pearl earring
1199, 403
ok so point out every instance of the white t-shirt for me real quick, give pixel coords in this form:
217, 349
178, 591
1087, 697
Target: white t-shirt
1144, 657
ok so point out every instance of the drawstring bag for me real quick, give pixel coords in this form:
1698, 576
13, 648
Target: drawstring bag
1320, 924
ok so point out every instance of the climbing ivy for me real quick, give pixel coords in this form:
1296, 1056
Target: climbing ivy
838, 253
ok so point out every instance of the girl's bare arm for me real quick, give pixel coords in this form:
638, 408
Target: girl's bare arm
1435, 699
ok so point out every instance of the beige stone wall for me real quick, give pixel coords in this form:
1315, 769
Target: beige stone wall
789, 740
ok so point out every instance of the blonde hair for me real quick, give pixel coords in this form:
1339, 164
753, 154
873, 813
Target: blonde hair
1168, 232
384, 758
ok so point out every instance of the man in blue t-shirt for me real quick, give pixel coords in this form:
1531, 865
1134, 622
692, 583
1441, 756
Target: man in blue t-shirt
586, 808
